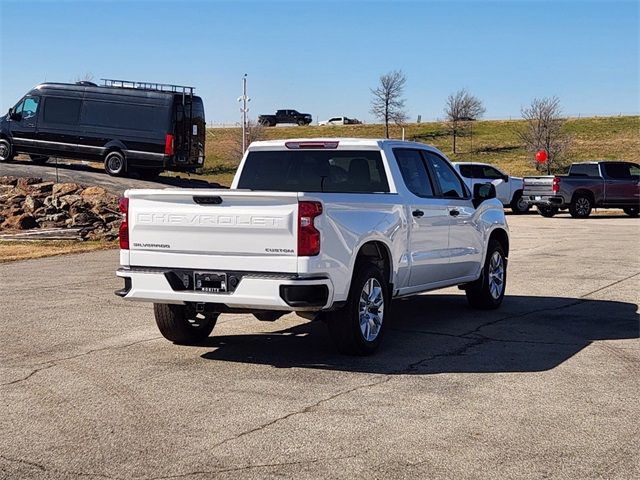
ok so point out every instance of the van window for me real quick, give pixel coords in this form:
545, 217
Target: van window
61, 110
145, 118
347, 171
30, 107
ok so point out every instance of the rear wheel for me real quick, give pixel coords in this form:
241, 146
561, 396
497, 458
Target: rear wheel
39, 159
580, 206
114, 164
181, 324
519, 204
631, 211
487, 292
547, 211
357, 328
6, 152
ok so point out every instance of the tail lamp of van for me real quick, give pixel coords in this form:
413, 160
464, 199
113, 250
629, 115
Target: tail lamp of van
168, 144
308, 235
555, 186
123, 233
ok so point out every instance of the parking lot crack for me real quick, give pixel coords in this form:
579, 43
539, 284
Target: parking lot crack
52, 363
302, 411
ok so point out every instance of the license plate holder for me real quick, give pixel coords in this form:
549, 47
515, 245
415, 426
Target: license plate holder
210, 282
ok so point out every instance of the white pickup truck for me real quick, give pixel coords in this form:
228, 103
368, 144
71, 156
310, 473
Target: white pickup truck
329, 228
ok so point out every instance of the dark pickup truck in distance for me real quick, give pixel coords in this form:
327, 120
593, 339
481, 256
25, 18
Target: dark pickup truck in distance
588, 185
285, 116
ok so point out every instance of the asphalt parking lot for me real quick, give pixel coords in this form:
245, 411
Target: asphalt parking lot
546, 387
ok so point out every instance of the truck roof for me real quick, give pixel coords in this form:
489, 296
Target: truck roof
342, 142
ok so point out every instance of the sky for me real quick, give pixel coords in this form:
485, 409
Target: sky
323, 57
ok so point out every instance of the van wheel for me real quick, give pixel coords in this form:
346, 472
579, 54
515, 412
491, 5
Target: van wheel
519, 204
181, 324
631, 211
580, 206
39, 159
547, 211
114, 164
487, 292
6, 152
357, 328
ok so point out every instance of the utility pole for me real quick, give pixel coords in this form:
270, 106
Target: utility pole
244, 99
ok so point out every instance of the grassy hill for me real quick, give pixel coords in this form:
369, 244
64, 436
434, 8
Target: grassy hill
494, 141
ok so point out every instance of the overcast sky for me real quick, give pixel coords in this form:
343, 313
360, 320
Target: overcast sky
322, 57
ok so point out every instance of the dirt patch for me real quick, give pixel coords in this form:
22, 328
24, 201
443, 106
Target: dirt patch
13, 251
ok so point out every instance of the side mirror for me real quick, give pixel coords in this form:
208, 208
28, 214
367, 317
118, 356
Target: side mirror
482, 192
15, 116
506, 179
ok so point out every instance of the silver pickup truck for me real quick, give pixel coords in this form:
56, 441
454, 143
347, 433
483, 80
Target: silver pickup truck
588, 185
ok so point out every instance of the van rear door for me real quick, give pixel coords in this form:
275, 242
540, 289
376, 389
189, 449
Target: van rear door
189, 131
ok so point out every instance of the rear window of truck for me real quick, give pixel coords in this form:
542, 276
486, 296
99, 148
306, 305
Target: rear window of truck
335, 171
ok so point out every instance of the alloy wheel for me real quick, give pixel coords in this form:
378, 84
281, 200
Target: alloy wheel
371, 309
496, 275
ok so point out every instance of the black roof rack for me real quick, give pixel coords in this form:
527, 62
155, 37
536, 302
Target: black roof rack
157, 87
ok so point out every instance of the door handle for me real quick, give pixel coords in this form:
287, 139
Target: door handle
454, 213
417, 213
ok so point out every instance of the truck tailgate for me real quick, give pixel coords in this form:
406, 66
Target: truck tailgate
213, 229
537, 186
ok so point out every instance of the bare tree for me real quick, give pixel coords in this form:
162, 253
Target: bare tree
255, 132
460, 109
87, 77
543, 130
387, 103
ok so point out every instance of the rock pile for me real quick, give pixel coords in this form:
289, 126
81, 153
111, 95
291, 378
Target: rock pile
27, 203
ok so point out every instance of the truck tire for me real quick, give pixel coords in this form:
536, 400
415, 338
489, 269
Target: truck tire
547, 212
487, 292
357, 328
115, 164
631, 211
182, 325
301, 123
580, 206
518, 204
39, 159
6, 152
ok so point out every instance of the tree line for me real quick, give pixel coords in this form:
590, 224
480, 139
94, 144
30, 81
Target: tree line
542, 129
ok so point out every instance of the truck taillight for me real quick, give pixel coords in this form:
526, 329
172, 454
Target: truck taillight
123, 233
308, 235
555, 187
168, 144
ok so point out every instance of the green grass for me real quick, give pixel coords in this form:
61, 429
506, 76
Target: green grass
494, 141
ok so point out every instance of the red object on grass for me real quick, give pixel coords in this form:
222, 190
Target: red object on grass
541, 156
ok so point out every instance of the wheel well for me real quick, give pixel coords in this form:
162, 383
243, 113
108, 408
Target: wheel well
378, 254
114, 149
586, 193
501, 236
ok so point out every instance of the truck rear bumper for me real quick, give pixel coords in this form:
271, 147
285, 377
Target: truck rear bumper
546, 200
254, 291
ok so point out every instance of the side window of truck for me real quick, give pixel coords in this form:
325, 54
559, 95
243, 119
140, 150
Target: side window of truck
450, 185
414, 172
61, 110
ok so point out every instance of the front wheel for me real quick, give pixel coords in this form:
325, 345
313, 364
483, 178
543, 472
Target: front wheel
580, 206
487, 292
357, 328
519, 204
114, 164
6, 152
547, 212
631, 211
181, 324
